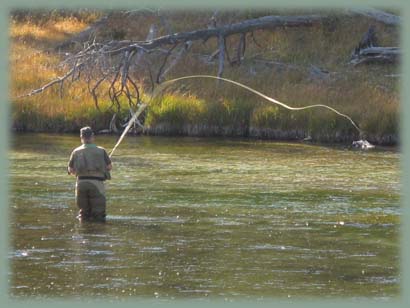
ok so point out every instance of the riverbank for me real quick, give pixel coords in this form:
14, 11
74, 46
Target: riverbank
197, 118
289, 66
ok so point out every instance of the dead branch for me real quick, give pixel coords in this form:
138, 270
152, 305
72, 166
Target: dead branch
58, 80
255, 41
213, 55
113, 126
226, 51
368, 51
266, 22
381, 16
176, 59
213, 20
221, 44
240, 50
165, 22
169, 52
380, 55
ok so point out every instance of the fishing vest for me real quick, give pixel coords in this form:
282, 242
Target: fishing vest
90, 160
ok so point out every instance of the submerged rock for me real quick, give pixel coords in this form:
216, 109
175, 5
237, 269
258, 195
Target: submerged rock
362, 144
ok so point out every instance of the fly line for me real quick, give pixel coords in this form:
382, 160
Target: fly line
162, 86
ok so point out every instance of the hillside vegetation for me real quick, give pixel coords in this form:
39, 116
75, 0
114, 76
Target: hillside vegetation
297, 66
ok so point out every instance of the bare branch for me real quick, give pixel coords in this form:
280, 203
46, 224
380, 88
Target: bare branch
221, 44
93, 91
125, 67
213, 55
113, 126
266, 22
227, 53
164, 62
151, 34
177, 57
165, 23
381, 16
58, 80
240, 51
135, 89
213, 23
151, 79
255, 41
377, 55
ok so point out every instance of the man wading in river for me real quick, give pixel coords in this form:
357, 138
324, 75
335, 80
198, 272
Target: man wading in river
91, 165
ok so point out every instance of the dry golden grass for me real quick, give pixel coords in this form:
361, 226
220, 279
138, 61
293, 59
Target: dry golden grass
51, 31
33, 64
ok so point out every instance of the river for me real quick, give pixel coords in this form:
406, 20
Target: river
207, 218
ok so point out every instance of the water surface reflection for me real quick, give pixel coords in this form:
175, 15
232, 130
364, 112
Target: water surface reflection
191, 217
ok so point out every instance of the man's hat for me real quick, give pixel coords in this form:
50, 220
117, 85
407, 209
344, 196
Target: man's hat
86, 132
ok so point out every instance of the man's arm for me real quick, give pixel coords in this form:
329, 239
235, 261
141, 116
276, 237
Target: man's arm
71, 171
107, 161
109, 166
70, 167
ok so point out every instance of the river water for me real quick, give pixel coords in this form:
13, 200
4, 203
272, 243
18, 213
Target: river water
207, 218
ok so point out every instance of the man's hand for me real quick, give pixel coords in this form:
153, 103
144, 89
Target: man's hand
109, 167
70, 171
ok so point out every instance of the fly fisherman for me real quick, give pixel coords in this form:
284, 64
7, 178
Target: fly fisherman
91, 165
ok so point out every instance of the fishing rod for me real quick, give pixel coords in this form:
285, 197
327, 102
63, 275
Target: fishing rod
162, 86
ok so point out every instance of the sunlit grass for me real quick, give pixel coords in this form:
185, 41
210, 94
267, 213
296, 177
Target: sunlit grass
33, 64
51, 31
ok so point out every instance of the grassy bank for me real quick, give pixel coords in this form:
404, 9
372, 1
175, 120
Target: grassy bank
296, 66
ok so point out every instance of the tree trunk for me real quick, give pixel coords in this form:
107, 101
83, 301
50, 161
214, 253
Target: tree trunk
381, 16
377, 55
266, 22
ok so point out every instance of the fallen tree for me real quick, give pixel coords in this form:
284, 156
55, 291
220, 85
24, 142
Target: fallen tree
114, 61
368, 51
380, 16
377, 55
